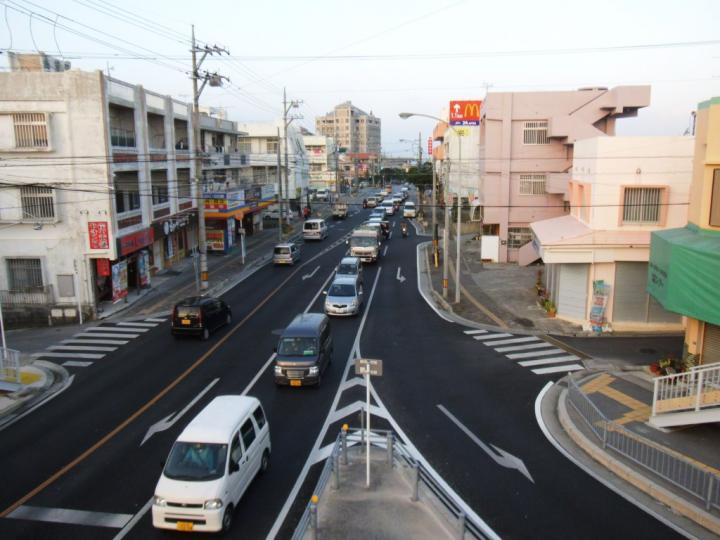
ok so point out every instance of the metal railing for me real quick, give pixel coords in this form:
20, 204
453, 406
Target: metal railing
122, 138
399, 454
696, 389
679, 471
31, 296
9, 365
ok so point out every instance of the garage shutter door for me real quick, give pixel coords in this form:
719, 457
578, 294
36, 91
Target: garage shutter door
572, 296
631, 301
711, 344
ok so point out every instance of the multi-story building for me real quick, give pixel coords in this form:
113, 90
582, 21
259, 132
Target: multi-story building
358, 133
266, 147
684, 269
518, 165
596, 257
323, 157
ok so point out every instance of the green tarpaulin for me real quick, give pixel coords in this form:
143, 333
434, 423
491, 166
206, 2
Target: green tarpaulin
684, 272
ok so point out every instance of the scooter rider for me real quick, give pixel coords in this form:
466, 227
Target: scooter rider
404, 228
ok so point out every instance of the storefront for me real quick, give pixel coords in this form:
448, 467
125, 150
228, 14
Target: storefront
172, 240
130, 272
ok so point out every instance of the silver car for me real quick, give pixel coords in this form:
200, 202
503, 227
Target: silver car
350, 267
344, 297
286, 253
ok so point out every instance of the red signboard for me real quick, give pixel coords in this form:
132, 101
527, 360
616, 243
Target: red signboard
103, 267
430, 146
133, 242
99, 237
465, 113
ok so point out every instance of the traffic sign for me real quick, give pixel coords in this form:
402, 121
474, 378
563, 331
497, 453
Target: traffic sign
465, 113
368, 366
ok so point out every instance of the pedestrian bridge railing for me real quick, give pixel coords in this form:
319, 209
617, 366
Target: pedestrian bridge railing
693, 390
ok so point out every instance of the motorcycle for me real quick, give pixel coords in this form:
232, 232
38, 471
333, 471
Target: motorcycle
404, 230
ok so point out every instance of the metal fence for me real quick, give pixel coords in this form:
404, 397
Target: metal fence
696, 389
9, 365
675, 469
30, 296
401, 455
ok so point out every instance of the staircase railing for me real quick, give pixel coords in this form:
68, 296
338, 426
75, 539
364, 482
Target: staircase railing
696, 389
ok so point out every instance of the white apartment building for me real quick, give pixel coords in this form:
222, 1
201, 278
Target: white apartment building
324, 161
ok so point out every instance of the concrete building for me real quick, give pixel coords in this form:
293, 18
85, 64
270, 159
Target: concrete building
264, 143
596, 257
324, 161
684, 270
358, 133
525, 142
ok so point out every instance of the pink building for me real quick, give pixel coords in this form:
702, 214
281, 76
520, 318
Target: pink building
526, 154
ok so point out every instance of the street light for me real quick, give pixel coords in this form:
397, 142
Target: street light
446, 233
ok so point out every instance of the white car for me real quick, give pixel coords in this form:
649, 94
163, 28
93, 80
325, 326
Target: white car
389, 207
315, 229
409, 210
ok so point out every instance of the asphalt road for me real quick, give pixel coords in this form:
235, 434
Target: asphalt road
83, 450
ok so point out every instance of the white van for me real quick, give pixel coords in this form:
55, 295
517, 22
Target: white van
315, 229
211, 465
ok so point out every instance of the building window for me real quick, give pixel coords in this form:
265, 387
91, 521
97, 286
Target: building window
38, 203
127, 192
31, 130
535, 132
715, 200
642, 205
532, 184
272, 147
518, 236
24, 274
183, 184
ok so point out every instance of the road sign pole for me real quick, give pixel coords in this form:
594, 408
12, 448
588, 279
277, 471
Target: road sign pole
367, 468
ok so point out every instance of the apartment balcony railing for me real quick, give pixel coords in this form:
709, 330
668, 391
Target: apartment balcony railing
30, 296
122, 138
219, 157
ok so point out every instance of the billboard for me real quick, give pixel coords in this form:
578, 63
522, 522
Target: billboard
465, 113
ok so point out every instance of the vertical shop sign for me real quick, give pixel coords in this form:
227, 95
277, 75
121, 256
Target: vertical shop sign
103, 267
143, 263
231, 232
119, 280
597, 311
98, 233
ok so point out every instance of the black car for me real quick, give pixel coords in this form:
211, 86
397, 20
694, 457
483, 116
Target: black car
199, 315
304, 351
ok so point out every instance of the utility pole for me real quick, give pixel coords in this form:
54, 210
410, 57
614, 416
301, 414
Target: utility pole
215, 80
419, 151
286, 122
337, 176
434, 213
459, 214
280, 190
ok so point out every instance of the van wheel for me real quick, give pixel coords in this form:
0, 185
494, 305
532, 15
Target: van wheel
205, 334
264, 462
227, 518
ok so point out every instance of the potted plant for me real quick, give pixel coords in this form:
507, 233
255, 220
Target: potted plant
550, 308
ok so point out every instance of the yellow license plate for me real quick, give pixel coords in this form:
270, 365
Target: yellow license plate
184, 525
294, 382
186, 322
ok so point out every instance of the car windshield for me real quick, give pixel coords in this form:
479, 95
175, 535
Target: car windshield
282, 250
196, 462
350, 269
341, 289
298, 346
363, 241
311, 225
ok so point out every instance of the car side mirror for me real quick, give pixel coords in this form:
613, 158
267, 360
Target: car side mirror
347, 242
325, 293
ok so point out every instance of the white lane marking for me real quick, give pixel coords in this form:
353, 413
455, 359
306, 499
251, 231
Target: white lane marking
137, 517
100, 334
389, 235
80, 348
258, 374
140, 324
385, 250
320, 290
610, 484
115, 329
316, 446
510, 341
155, 320
74, 517
170, 420
523, 347
557, 369
421, 292
76, 363
546, 361
505, 459
399, 277
472, 332
95, 341
533, 354
10, 420
491, 336
89, 356
311, 274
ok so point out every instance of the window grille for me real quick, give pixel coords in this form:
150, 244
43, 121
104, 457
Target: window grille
31, 130
536, 132
24, 274
642, 205
532, 184
183, 185
518, 236
38, 203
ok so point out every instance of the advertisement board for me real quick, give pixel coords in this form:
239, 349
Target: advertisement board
143, 266
119, 280
465, 113
215, 239
98, 233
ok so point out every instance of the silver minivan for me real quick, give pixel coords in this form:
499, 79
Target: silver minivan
315, 229
286, 253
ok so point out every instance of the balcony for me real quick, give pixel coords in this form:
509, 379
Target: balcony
221, 158
557, 184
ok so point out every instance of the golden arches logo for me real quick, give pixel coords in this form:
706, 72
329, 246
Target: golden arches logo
472, 110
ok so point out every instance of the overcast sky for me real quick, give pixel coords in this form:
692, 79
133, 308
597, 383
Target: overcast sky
389, 56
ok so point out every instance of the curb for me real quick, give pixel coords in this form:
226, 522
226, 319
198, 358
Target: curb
676, 503
56, 377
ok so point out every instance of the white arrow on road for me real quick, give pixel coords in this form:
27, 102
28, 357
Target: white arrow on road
311, 274
169, 420
504, 459
399, 277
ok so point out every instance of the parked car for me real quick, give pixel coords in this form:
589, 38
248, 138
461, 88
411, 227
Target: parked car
315, 229
409, 210
349, 267
344, 297
273, 212
199, 315
286, 253
304, 350
211, 465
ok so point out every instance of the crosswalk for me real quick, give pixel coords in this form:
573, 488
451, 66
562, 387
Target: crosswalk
541, 357
94, 343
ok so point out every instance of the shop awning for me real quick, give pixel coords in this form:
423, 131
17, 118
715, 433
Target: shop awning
237, 214
684, 272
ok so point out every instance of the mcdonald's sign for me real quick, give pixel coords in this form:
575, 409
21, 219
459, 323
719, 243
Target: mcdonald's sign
465, 113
